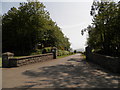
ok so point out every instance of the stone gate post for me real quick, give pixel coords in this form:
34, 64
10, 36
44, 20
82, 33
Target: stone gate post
54, 51
88, 53
5, 59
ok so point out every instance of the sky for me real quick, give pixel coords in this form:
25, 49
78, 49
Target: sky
71, 16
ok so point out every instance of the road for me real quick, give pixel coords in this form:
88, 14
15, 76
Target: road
69, 72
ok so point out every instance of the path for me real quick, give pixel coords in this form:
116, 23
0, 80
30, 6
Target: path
68, 72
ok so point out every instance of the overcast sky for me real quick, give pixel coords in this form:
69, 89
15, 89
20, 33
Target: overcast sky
70, 16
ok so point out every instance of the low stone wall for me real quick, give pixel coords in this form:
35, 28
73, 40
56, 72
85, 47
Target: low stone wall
14, 62
108, 62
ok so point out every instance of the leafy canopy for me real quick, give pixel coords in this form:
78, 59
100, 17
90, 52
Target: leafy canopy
30, 25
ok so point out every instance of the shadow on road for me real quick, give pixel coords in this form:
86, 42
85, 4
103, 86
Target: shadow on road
76, 73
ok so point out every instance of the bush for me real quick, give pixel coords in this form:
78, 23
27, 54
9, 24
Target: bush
46, 50
71, 53
63, 52
37, 51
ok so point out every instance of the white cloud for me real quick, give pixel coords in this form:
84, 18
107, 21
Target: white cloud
72, 26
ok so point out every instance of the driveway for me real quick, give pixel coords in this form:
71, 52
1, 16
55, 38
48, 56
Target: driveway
69, 72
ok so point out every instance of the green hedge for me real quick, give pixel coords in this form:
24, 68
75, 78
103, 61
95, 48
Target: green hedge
38, 51
46, 50
42, 51
63, 52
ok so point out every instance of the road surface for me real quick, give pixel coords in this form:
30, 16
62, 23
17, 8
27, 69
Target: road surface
69, 72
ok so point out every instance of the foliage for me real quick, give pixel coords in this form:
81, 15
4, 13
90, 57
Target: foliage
63, 52
75, 51
47, 50
64, 56
37, 51
30, 26
104, 33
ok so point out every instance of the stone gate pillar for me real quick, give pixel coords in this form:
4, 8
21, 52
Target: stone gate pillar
88, 53
54, 51
5, 59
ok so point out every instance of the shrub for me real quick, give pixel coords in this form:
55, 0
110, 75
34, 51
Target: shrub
37, 51
63, 52
47, 50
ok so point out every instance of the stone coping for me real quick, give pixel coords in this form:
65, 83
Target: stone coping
32, 56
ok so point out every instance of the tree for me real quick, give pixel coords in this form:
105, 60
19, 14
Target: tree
29, 25
21, 27
105, 27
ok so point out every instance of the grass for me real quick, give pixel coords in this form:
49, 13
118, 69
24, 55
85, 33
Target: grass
18, 56
83, 55
64, 56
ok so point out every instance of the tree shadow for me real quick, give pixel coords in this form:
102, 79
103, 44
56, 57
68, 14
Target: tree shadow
81, 74
75, 59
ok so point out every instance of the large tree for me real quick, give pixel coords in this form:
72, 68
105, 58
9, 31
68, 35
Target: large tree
27, 26
104, 34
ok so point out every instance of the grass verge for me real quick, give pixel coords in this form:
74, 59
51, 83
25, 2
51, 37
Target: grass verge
83, 55
64, 56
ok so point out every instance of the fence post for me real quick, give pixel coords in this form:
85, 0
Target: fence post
5, 59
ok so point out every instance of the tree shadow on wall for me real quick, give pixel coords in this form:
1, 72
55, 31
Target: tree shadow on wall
80, 75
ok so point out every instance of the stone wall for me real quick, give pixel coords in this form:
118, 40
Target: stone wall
14, 62
108, 62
